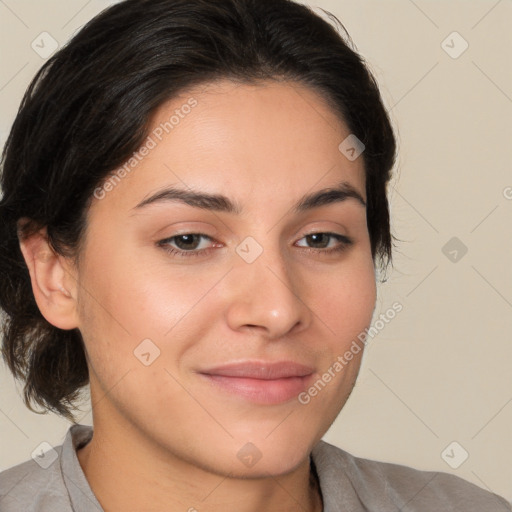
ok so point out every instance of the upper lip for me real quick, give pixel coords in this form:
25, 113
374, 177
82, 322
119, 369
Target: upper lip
261, 370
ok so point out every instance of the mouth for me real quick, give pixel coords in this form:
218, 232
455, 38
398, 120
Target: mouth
260, 382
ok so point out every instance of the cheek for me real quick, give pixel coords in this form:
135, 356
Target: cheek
126, 295
127, 299
344, 300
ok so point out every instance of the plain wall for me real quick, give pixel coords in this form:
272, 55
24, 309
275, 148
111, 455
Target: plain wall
439, 371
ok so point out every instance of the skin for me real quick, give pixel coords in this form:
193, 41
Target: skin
164, 439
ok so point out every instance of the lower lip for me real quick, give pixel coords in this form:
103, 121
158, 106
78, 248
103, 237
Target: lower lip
261, 391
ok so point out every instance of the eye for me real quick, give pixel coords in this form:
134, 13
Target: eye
187, 244
324, 240
190, 244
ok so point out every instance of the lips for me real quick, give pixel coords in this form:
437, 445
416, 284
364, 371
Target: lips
261, 370
260, 382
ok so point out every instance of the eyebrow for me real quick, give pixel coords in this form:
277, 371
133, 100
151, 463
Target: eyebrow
221, 203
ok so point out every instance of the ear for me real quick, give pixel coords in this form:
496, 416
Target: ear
53, 282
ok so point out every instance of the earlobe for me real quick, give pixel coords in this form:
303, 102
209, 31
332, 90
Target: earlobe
53, 284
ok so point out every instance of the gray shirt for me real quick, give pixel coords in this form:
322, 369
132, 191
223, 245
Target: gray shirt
348, 484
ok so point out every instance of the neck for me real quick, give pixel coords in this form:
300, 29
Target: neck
126, 472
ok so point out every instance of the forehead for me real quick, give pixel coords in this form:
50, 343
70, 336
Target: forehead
250, 140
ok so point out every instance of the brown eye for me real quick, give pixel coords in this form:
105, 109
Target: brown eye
320, 242
186, 244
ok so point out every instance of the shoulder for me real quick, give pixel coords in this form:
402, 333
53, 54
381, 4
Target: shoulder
52, 481
30, 486
385, 487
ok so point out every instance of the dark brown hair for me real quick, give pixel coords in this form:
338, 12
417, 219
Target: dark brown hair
88, 110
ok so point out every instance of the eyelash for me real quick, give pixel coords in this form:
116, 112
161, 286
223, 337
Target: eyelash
345, 242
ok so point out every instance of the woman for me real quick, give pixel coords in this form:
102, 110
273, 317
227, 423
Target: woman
194, 209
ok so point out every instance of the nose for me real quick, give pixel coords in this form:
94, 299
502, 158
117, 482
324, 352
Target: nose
267, 295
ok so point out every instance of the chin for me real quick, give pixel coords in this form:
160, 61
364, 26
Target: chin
267, 457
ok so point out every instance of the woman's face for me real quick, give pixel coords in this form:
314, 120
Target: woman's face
251, 286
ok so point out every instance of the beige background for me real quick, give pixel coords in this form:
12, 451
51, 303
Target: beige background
440, 370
